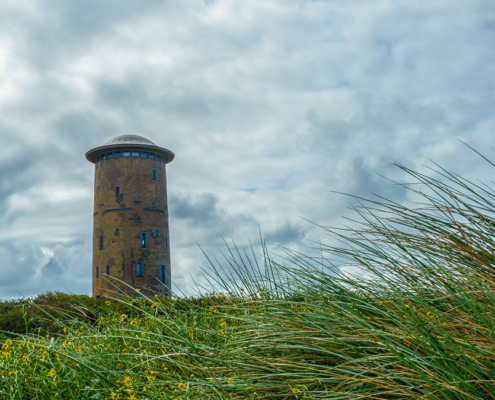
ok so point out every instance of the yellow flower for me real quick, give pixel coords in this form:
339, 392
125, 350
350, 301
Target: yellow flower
120, 365
230, 380
132, 397
127, 381
211, 309
133, 323
295, 390
145, 388
181, 386
52, 372
65, 330
138, 290
143, 334
114, 396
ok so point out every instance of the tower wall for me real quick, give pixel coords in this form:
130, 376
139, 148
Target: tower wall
121, 216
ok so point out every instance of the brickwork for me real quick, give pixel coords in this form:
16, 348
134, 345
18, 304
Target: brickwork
144, 201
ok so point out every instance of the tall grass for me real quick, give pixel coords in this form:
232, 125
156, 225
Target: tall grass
403, 309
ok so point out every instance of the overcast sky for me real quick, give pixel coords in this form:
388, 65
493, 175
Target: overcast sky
269, 105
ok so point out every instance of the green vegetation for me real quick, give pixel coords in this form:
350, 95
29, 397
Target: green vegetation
414, 321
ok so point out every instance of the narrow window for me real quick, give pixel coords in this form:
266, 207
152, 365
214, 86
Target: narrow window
135, 153
139, 269
153, 175
126, 153
144, 240
97, 272
117, 191
107, 270
117, 154
101, 242
152, 156
166, 242
102, 157
163, 274
109, 155
156, 233
144, 155
117, 232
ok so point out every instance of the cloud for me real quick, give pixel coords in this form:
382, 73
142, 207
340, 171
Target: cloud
269, 105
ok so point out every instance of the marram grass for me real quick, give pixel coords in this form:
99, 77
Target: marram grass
414, 321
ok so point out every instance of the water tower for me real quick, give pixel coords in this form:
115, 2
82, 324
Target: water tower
131, 240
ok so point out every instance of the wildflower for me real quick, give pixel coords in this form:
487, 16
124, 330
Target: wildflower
145, 388
230, 381
120, 365
127, 381
65, 330
295, 390
132, 397
133, 323
138, 290
114, 396
143, 334
181, 386
211, 309
156, 296
52, 372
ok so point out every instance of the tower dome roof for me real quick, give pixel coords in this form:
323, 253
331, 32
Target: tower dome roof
130, 139
130, 142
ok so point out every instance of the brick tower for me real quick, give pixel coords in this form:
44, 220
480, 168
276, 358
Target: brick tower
131, 240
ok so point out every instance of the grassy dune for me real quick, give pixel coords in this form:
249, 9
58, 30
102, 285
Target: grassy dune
414, 321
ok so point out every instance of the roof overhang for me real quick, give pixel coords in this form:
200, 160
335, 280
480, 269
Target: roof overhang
167, 154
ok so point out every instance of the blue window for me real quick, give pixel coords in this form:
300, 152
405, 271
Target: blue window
144, 155
109, 155
101, 242
138, 294
144, 240
153, 175
139, 269
163, 274
126, 153
117, 154
152, 156
166, 242
97, 272
157, 233
117, 232
107, 270
117, 191
135, 153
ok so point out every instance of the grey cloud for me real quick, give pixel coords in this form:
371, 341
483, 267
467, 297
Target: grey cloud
289, 233
288, 99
